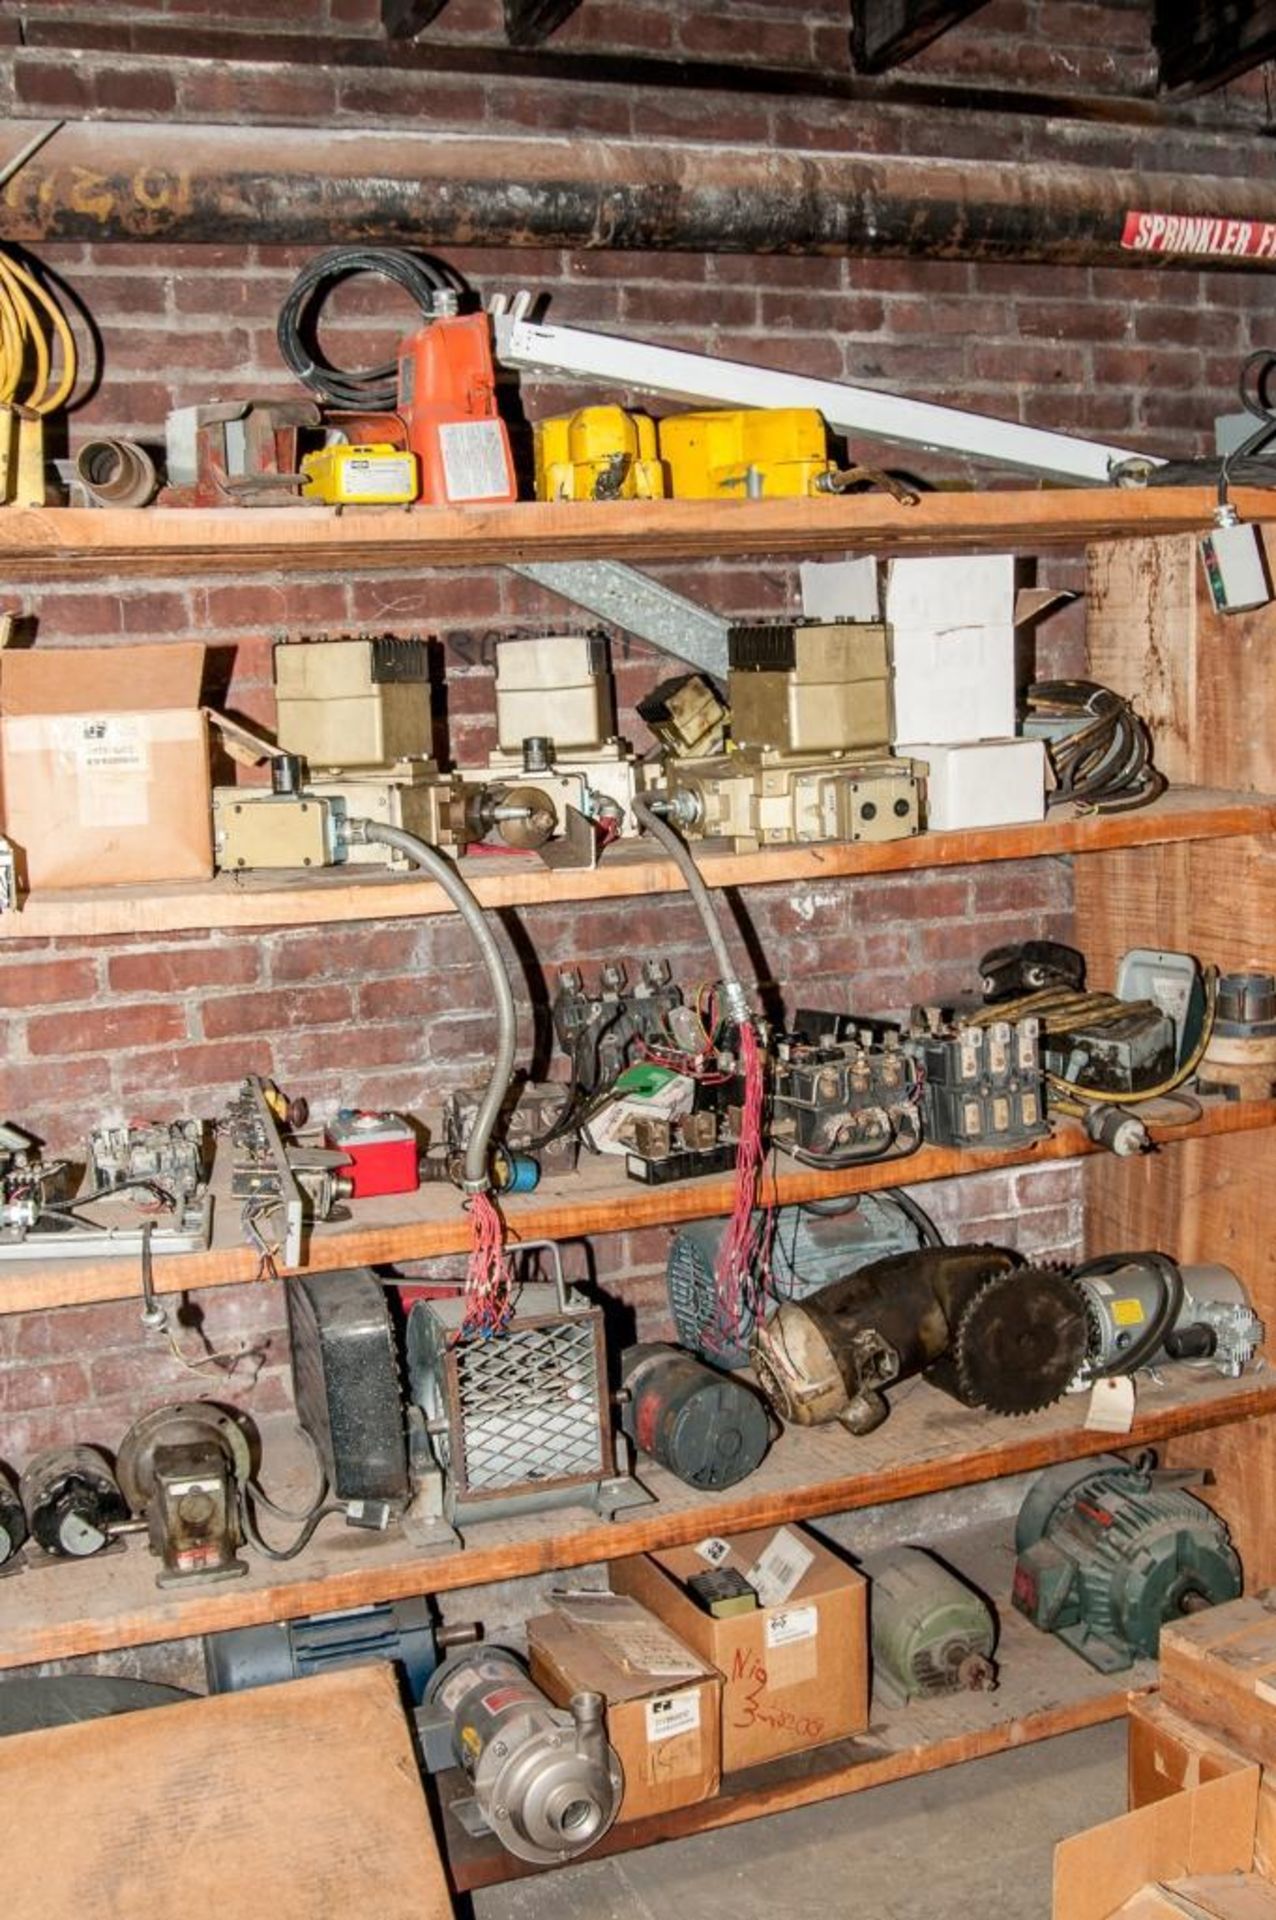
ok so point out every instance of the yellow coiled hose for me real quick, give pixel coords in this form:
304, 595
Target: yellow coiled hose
31, 325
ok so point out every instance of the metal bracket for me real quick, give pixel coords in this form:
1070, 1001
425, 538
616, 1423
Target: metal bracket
639, 367
640, 605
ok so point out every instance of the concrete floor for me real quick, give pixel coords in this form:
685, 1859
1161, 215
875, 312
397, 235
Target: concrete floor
974, 1841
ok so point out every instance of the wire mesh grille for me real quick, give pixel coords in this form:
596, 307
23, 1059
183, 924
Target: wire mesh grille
529, 1407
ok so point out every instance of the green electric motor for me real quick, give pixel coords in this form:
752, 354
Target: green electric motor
932, 1634
1107, 1553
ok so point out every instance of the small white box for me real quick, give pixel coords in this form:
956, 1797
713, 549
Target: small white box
985, 783
977, 590
954, 686
840, 590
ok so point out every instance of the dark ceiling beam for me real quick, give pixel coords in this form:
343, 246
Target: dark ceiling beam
234, 184
1204, 43
404, 19
361, 53
529, 22
886, 33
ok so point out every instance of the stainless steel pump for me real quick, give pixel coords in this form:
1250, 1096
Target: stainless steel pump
546, 1782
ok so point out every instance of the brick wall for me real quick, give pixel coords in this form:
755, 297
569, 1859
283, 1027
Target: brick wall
392, 1013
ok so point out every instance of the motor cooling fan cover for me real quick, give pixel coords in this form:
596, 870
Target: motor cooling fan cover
1020, 1341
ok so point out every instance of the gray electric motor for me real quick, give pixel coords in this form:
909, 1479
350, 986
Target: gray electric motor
546, 1783
1142, 1308
932, 1634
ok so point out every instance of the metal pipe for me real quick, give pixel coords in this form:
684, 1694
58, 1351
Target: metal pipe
116, 180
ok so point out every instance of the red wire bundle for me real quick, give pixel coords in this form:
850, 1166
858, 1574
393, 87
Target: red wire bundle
487, 1276
737, 1272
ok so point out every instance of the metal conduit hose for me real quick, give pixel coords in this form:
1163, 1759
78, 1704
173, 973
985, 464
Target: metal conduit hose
680, 853
442, 870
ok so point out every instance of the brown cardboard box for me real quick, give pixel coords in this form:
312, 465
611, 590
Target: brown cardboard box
1207, 1896
664, 1704
104, 759
1206, 1830
1218, 1669
1168, 1754
795, 1675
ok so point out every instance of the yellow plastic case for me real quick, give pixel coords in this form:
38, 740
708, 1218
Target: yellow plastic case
710, 455
375, 476
598, 453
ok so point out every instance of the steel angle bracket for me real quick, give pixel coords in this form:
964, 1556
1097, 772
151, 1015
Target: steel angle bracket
640, 605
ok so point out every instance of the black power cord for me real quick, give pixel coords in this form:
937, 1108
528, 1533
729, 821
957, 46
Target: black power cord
372, 389
1105, 764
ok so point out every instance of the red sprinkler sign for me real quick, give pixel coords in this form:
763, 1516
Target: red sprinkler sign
1200, 234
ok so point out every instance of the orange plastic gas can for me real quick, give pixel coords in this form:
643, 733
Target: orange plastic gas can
447, 399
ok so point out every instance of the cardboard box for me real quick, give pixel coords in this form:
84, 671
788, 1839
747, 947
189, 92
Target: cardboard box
1219, 1669
104, 762
1168, 1754
985, 783
1207, 1830
664, 1703
1216, 1896
795, 1674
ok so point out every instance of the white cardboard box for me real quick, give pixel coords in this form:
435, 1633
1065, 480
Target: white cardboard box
985, 783
937, 596
953, 686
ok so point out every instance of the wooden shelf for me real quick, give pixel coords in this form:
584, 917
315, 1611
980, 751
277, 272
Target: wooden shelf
928, 1443
68, 542
596, 1199
1044, 1690
627, 871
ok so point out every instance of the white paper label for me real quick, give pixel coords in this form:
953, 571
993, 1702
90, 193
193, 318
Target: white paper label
474, 466
454, 1691
379, 473
778, 1569
790, 1624
714, 1550
1111, 1408
112, 743
675, 1713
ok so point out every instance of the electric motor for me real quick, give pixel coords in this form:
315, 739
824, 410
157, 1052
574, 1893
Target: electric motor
1143, 1308
400, 1631
932, 1634
808, 1251
547, 1783
13, 1521
1107, 1553
72, 1501
708, 1428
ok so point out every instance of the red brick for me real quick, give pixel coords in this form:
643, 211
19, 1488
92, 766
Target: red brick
179, 1073
234, 1013
140, 89
176, 969
31, 1092
349, 1052
348, 952
108, 1030
43, 982
59, 1383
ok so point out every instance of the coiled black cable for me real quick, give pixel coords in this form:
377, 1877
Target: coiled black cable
1106, 764
1169, 1305
374, 389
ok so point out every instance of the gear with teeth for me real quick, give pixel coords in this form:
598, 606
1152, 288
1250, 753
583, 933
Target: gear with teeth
1020, 1341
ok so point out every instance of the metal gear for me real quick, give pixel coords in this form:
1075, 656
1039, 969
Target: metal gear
1020, 1341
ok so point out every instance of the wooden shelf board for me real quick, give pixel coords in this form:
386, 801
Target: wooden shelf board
627, 871
596, 1199
159, 541
1044, 1690
928, 1443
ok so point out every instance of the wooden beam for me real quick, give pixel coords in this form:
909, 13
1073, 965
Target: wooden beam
929, 1443
1202, 44
404, 19
529, 22
66, 543
886, 33
596, 1199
